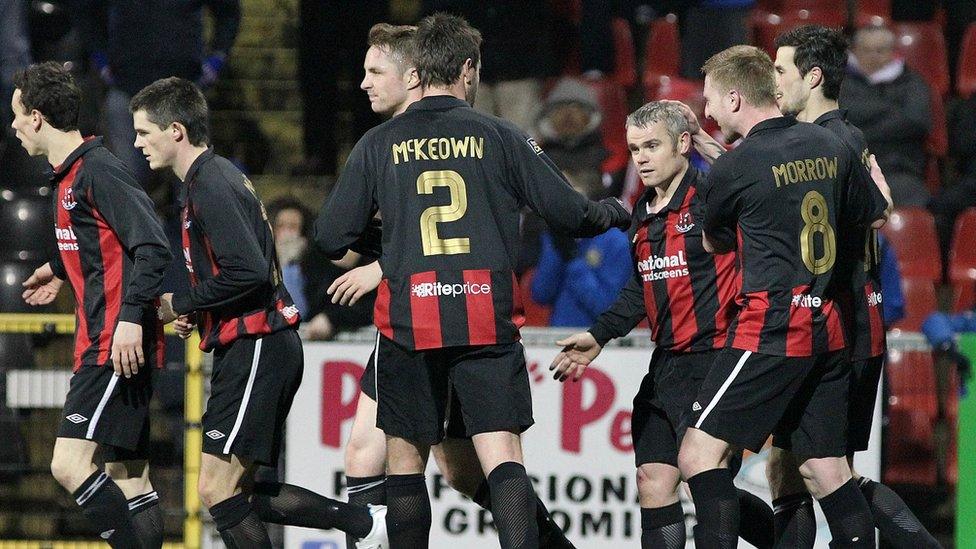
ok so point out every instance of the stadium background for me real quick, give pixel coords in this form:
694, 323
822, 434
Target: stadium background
265, 109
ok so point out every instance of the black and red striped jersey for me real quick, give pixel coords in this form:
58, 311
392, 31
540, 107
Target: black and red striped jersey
450, 182
778, 198
686, 293
112, 250
236, 287
863, 312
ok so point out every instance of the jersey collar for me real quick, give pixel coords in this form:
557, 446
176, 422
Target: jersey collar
437, 103
57, 172
775, 123
195, 167
839, 114
691, 178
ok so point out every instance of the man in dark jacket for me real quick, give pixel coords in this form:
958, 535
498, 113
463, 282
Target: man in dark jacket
889, 103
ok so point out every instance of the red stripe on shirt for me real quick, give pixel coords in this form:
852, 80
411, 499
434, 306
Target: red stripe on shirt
725, 278
642, 252
111, 252
381, 309
425, 312
72, 266
681, 298
228, 331
481, 308
257, 323
750, 323
799, 331
877, 333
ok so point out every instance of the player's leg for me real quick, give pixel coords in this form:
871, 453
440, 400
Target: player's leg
132, 477
108, 411
739, 403
794, 520
458, 462
412, 398
101, 500
254, 383
365, 455
896, 522
495, 419
814, 429
656, 451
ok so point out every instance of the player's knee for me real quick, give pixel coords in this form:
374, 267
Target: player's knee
657, 485
213, 490
824, 475
692, 459
364, 458
67, 470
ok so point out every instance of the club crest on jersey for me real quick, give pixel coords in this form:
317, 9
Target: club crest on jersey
684, 223
68, 200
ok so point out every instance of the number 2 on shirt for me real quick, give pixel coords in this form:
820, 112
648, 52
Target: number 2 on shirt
813, 210
432, 243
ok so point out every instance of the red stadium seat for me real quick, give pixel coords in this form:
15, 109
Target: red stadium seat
923, 46
912, 410
962, 261
662, 53
767, 26
920, 302
966, 70
625, 57
938, 139
933, 175
911, 232
872, 12
613, 103
535, 314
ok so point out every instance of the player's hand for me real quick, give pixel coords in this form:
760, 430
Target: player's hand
578, 351
42, 286
165, 311
879, 179
693, 125
127, 349
352, 285
184, 325
621, 215
320, 327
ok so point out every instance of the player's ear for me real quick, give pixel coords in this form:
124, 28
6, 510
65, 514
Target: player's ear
469, 70
177, 131
413, 78
735, 100
684, 143
815, 77
37, 120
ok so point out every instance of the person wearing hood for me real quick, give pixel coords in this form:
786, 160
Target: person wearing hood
580, 278
889, 102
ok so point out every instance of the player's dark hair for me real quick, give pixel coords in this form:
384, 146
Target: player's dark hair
444, 42
50, 88
396, 40
818, 46
746, 69
171, 100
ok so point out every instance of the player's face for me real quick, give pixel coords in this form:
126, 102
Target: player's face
792, 92
718, 107
657, 158
384, 83
24, 125
156, 143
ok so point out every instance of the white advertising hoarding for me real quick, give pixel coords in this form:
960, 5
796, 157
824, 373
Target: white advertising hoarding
579, 452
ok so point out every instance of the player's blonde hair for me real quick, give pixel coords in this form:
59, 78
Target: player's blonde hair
746, 69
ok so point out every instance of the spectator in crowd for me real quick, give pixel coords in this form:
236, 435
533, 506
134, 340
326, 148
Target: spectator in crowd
568, 127
889, 103
580, 278
134, 43
953, 199
516, 53
307, 273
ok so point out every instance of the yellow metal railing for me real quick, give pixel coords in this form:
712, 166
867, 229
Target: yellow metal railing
29, 323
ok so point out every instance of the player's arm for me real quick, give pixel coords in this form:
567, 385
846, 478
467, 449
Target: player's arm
345, 220
579, 350
864, 202
542, 186
354, 284
707, 146
129, 211
879, 180
42, 286
719, 223
229, 226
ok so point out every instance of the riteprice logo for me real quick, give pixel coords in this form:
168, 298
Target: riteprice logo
437, 289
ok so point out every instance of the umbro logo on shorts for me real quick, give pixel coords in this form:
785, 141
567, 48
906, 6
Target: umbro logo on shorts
76, 418
696, 407
107, 533
215, 434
